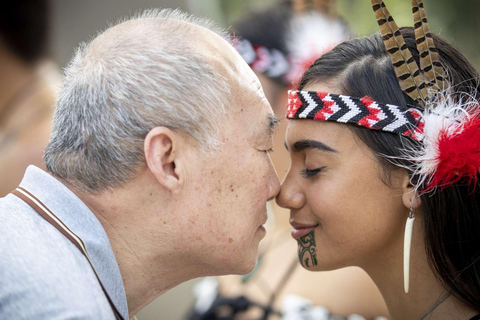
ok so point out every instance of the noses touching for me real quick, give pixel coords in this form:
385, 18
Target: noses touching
273, 185
292, 197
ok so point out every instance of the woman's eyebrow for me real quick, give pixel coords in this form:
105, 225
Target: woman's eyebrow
310, 144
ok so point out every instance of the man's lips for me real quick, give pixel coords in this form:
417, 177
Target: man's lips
261, 228
299, 229
263, 222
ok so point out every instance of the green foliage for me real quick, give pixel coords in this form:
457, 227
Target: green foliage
456, 20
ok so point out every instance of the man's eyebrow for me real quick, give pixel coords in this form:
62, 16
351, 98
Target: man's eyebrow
310, 144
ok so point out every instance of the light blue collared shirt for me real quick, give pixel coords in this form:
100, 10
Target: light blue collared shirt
42, 274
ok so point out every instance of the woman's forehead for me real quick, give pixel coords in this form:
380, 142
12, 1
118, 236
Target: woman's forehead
336, 136
302, 129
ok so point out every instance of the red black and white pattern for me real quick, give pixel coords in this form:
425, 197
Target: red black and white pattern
360, 111
271, 62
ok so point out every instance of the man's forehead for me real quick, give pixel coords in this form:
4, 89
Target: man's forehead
245, 88
222, 56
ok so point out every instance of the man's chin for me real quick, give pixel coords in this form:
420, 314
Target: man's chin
248, 264
248, 267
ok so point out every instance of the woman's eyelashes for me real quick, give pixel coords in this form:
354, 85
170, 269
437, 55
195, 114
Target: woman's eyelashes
307, 173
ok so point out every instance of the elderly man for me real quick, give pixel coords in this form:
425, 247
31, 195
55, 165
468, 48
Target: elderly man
158, 172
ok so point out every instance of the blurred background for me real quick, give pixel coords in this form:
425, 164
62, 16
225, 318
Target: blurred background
73, 22
77, 21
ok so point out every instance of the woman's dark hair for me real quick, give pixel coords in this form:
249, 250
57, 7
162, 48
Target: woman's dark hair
362, 67
24, 28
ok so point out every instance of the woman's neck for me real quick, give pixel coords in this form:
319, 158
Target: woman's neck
425, 289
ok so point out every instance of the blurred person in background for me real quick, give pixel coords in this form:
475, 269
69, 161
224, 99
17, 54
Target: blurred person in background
28, 87
279, 43
152, 179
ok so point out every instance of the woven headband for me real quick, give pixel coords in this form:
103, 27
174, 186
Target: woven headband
359, 111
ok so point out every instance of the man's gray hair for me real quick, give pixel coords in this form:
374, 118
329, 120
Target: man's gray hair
116, 89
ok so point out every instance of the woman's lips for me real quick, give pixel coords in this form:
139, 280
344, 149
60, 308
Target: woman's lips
300, 230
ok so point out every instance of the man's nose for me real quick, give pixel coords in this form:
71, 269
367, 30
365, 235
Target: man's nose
274, 184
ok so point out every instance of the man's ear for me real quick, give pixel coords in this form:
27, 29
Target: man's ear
161, 146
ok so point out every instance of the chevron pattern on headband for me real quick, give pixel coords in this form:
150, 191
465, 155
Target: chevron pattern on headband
360, 111
406, 68
429, 59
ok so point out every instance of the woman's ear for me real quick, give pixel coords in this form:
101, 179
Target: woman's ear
410, 197
161, 153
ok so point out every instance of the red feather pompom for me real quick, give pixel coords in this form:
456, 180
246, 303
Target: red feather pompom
458, 155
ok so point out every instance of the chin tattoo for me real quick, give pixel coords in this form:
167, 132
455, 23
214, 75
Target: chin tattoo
307, 252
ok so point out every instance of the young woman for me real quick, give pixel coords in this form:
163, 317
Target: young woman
385, 157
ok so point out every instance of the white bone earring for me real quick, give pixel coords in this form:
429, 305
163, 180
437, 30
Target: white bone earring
406, 248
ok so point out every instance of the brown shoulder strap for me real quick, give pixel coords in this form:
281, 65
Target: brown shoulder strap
48, 215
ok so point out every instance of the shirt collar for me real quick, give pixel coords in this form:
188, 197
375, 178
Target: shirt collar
81, 220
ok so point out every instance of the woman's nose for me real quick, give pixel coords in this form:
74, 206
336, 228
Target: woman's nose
290, 195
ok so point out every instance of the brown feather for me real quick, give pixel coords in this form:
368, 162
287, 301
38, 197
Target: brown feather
429, 59
406, 68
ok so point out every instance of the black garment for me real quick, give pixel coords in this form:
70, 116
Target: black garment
227, 308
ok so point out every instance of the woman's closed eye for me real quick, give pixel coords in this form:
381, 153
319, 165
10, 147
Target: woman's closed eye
308, 173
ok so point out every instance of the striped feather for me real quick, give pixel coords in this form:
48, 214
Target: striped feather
406, 68
429, 59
